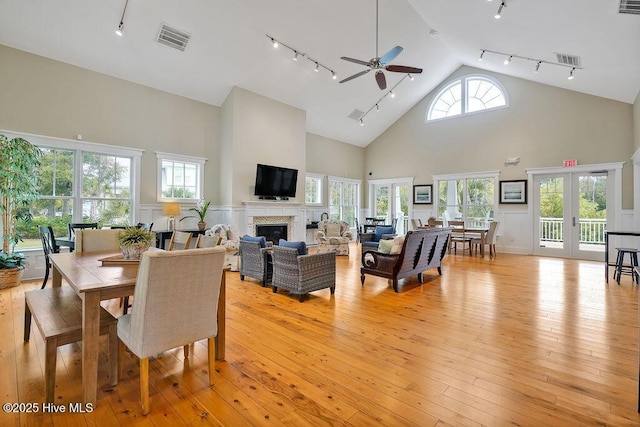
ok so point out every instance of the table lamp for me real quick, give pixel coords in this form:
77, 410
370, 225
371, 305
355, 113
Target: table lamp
171, 209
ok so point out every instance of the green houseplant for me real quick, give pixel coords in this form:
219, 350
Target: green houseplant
19, 167
201, 213
134, 241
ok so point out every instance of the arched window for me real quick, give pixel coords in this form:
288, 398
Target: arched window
469, 94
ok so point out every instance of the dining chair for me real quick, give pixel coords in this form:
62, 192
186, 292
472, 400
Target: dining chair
203, 241
489, 239
458, 235
416, 223
49, 246
80, 226
179, 240
58, 315
89, 240
167, 316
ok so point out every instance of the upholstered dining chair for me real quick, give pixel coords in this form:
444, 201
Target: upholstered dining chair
489, 240
179, 240
90, 240
49, 247
207, 241
167, 316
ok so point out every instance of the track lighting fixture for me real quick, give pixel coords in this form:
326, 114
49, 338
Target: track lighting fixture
120, 31
297, 54
391, 93
481, 53
538, 62
410, 77
499, 13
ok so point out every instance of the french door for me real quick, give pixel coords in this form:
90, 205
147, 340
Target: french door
570, 214
391, 200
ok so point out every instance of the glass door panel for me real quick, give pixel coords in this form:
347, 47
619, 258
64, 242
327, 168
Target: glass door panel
591, 214
552, 215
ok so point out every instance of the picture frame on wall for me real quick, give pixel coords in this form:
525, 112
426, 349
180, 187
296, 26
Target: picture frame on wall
513, 192
422, 194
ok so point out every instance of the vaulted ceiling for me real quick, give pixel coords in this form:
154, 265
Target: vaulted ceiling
229, 47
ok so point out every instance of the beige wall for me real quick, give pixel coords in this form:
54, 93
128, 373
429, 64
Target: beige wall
264, 131
543, 125
636, 123
46, 97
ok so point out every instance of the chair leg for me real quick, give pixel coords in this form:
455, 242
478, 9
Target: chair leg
51, 352
144, 385
185, 349
121, 354
211, 353
46, 275
113, 353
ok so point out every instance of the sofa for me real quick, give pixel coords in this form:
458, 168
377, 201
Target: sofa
230, 240
333, 236
417, 252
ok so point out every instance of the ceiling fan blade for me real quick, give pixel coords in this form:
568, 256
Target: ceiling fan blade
389, 56
381, 80
403, 69
355, 75
357, 61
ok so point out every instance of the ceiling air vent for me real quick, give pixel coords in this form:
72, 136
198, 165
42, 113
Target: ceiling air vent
571, 60
173, 37
356, 114
630, 6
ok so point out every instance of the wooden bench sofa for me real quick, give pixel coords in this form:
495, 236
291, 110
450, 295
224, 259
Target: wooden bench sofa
422, 250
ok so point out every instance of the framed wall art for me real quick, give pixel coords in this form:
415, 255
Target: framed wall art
422, 194
513, 191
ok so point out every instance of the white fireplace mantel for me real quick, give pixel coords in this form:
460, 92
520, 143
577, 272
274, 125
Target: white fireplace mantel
277, 211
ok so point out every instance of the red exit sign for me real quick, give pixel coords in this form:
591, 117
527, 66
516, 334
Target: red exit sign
570, 163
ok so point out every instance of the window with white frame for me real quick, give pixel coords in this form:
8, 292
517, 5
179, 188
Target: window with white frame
344, 199
469, 197
313, 189
179, 178
466, 95
81, 182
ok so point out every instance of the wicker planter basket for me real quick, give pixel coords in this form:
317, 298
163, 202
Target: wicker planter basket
133, 251
10, 277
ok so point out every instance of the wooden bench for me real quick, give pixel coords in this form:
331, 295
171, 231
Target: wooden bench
422, 250
58, 315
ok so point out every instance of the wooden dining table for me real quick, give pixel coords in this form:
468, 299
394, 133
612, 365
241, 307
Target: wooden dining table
95, 282
460, 227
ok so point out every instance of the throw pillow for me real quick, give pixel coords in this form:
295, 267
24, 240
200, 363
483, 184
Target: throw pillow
231, 233
260, 239
300, 246
397, 244
383, 230
333, 229
385, 246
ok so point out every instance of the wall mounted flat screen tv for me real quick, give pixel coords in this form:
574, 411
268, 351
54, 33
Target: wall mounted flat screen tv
273, 182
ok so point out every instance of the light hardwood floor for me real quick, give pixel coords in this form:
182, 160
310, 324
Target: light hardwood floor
519, 340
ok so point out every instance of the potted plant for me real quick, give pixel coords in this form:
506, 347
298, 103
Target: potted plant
19, 166
201, 211
134, 241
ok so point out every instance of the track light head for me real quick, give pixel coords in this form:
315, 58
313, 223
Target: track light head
295, 57
391, 94
361, 122
119, 32
410, 77
571, 73
481, 56
508, 60
537, 67
498, 14
377, 108
317, 68
334, 75
274, 42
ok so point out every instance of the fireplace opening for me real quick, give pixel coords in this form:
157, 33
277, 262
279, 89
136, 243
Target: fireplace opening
272, 232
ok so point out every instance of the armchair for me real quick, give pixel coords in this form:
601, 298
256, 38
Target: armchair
371, 241
230, 240
301, 274
255, 261
333, 236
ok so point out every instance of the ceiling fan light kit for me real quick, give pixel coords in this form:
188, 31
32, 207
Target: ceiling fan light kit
297, 54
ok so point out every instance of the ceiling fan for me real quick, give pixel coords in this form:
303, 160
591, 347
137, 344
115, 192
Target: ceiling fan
379, 63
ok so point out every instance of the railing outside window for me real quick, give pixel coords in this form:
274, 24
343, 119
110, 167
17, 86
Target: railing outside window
592, 231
